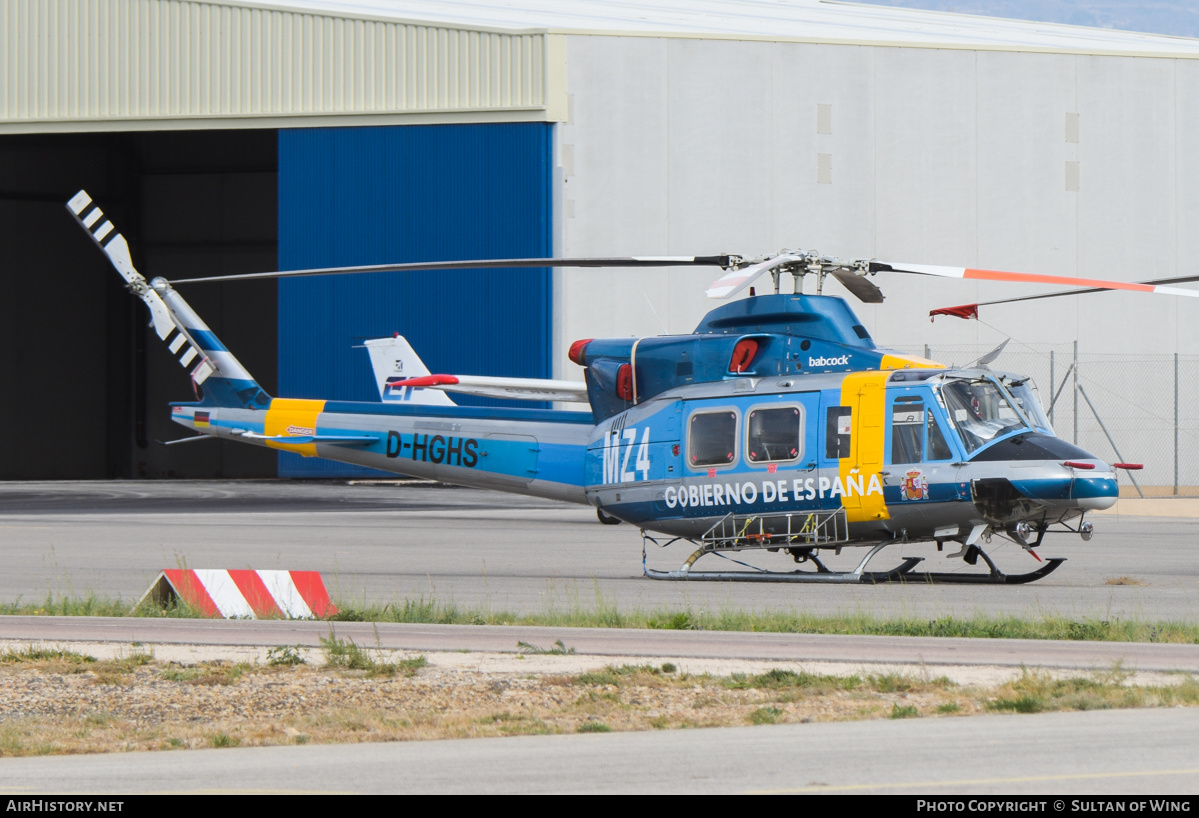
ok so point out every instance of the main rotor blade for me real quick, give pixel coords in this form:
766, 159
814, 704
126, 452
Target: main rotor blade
734, 281
866, 291
971, 310
1152, 282
503, 263
1030, 278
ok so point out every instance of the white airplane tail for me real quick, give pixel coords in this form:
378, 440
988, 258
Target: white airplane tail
394, 360
402, 376
226, 382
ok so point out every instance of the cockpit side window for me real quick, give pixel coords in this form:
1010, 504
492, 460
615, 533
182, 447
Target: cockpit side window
907, 430
915, 434
938, 448
712, 439
1024, 393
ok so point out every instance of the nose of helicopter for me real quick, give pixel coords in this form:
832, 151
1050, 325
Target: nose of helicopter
1088, 484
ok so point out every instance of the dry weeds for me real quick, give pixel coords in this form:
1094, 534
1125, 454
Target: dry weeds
54, 704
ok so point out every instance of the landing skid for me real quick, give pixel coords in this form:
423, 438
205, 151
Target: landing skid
905, 572
993, 578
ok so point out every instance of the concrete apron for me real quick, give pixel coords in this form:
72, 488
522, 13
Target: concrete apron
1154, 507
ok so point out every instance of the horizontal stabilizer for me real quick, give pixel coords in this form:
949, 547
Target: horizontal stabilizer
342, 440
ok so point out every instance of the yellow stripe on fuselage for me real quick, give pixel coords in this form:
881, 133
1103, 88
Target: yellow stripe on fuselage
866, 395
908, 362
293, 417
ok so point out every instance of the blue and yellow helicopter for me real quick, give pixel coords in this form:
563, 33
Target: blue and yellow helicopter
776, 425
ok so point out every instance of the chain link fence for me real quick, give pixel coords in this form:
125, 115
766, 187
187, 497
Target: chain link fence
1122, 408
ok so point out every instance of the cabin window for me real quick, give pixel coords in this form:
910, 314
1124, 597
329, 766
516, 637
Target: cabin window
773, 434
712, 439
838, 423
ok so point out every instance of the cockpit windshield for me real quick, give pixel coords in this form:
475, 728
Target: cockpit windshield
1024, 392
979, 411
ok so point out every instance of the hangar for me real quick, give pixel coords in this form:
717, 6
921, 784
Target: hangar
244, 136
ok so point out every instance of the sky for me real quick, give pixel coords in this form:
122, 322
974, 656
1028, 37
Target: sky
1176, 17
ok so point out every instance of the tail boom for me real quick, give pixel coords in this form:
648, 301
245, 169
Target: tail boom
534, 452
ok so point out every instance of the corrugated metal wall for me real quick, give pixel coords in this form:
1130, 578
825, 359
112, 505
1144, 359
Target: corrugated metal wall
351, 196
79, 61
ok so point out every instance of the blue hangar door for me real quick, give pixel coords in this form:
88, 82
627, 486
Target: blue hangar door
350, 196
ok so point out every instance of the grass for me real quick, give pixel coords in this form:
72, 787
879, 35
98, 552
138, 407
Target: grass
1039, 692
779, 679
616, 675
783, 695
765, 715
505, 723
594, 727
285, 656
605, 614
557, 649
209, 673
93, 605
345, 655
354, 698
40, 655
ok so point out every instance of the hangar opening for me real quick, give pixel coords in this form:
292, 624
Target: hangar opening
89, 381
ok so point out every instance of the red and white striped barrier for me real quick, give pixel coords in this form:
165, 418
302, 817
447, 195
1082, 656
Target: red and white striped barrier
245, 594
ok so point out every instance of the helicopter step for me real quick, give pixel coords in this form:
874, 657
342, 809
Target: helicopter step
735, 532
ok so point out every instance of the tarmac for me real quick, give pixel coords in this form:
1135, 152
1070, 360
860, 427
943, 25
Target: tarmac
1154, 507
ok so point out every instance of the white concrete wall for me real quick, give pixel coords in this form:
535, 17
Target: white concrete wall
939, 156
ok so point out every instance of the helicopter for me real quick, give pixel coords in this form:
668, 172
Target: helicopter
777, 426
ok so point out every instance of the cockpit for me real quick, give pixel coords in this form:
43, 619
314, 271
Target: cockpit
980, 411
